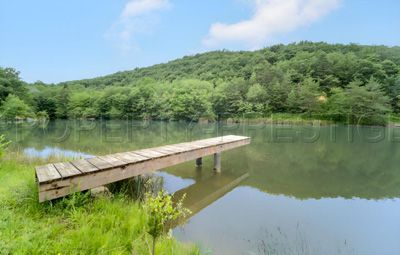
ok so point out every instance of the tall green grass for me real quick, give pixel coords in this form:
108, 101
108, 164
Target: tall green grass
78, 224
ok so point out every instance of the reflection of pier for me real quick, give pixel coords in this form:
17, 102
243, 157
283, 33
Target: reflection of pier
205, 192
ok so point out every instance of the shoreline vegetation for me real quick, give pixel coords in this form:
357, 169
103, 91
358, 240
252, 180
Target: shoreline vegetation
315, 79
390, 120
109, 224
304, 119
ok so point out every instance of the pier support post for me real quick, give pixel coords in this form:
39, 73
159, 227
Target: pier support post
217, 162
199, 162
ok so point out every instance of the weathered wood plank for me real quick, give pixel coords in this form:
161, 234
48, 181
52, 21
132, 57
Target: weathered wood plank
113, 161
84, 166
66, 169
128, 157
206, 143
47, 173
138, 156
176, 148
188, 146
149, 153
168, 149
100, 163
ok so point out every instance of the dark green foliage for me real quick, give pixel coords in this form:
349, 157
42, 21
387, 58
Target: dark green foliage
360, 103
46, 104
62, 102
306, 97
10, 83
301, 77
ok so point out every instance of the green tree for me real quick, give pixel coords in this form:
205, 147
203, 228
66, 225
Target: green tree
362, 104
277, 95
344, 66
368, 69
14, 108
258, 98
189, 100
63, 98
10, 83
81, 105
46, 103
229, 98
305, 97
143, 103
390, 68
368, 101
394, 93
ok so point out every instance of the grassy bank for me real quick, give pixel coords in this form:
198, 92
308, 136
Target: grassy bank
281, 118
306, 119
76, 225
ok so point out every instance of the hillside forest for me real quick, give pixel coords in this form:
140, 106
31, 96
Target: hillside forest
330, 81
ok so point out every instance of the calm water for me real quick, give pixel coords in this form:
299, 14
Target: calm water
294, 190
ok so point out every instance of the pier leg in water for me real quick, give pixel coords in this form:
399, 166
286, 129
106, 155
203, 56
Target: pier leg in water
217, 162
199, 162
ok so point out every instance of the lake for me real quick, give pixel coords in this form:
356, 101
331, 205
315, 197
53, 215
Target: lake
294, 190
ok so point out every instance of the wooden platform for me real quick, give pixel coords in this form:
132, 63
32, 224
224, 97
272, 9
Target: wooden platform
60, 179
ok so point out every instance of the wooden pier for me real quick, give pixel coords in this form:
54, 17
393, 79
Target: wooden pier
60, 179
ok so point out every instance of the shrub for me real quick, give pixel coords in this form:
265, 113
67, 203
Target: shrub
161, 211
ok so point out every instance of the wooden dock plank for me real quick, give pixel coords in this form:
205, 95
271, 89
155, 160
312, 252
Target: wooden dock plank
113, 161
149, 153
66, 169
206, 143
128, 157
176, 148
84, 166
100, 163
140, 157
47, 173
189, 146
169, 149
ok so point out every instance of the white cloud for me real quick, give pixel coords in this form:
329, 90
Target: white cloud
137, 17
136, 8
270, 17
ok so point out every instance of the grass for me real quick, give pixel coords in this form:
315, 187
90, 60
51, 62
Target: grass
322, 119
395, 119
285, 118
78, 224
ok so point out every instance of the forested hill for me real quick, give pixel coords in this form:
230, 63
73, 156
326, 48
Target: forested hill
331, 81
304, 58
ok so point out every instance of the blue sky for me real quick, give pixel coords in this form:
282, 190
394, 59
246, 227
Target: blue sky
61, 40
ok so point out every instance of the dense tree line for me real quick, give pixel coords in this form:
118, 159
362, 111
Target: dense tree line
331, 80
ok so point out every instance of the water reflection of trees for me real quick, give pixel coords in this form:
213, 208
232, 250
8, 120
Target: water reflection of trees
299, 168
97, 137
325, 168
